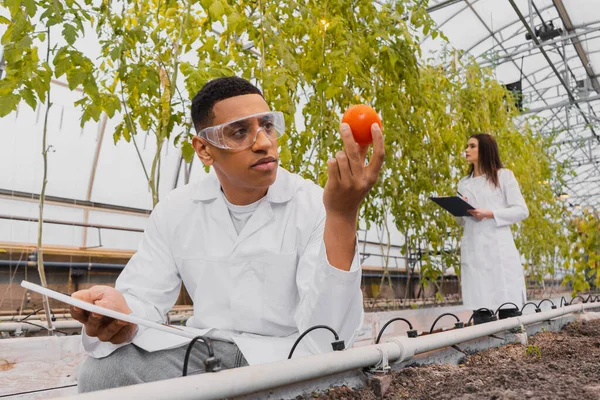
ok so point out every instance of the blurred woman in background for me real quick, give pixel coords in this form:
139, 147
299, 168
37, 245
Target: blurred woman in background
491, 270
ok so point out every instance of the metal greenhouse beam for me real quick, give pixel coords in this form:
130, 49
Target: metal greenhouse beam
517, 50
500, 29
563, 104
493, 36
442, 4
543, 51
441, 25
566, 20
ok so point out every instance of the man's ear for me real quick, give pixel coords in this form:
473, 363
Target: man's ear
203, 150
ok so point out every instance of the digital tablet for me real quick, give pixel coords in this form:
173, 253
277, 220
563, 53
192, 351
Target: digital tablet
105, 311
454, 205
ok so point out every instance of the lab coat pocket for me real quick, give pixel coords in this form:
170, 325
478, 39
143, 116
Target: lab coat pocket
280, 292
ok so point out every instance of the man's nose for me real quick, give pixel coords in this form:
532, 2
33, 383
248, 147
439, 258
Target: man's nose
262, 141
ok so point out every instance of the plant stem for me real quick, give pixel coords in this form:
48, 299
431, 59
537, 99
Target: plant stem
40, 252
133, 132
154, 172
163, 129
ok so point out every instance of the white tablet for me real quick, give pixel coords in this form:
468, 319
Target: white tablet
105, 311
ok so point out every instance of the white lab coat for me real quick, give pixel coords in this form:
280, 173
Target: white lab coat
265, 285
491, 270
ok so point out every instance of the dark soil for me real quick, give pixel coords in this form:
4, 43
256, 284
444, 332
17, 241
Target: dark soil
563, 365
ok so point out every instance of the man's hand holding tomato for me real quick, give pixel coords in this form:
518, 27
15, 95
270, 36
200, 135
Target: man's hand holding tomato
349, 180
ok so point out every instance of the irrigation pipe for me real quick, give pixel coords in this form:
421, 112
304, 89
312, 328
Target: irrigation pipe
252, 379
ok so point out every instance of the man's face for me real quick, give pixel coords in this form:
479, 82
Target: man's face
252, 168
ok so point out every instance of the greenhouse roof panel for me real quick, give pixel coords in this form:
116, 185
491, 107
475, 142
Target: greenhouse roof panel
560, 70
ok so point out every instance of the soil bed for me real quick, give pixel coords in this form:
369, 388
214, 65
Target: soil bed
563, 365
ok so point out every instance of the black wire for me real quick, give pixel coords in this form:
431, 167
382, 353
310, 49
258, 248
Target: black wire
28, 315
562, 299
479, 309
207, 342
389, 322
43, 327
543, 300
528, 303
573, 299
440, 317
502, 305
310, 330
37, 311
36, 391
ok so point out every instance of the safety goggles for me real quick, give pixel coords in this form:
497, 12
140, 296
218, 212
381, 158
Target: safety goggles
241, 133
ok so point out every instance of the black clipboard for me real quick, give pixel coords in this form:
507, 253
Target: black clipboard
454, 204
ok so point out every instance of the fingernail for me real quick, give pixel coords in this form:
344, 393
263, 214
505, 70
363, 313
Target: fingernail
76, 309
344, 126
121, 322
94, 315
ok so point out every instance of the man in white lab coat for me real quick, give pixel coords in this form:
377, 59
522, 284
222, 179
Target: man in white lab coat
263, 253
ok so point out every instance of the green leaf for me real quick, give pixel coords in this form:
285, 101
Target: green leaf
216, 9
40, 87
29, 97
187, 151
69, 32
234, 20
76, 77
8, 104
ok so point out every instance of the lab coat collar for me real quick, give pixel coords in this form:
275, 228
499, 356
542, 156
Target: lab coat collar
281, 191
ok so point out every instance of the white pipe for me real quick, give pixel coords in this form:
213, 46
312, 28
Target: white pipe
248, 380
436, 341
69, 324
22, 326
13, 318
175, 317
258, 377
16, 326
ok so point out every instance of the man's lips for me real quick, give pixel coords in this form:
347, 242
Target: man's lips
265, 160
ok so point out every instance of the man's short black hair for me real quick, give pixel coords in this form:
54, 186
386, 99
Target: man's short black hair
213, 92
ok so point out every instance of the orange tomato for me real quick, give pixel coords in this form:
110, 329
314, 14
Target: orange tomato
360, 117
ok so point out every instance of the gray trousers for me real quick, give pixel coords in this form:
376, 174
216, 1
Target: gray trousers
130, 365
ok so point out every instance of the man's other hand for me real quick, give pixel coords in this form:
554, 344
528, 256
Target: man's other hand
104, 328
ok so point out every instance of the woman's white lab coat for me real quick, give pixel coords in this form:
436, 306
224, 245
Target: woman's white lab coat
491, 270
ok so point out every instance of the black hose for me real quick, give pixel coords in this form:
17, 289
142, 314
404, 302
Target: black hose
479, 309
389, 322
310, 330
28, 315
502, 305
543, 300
43, 327
563, 300
576, 297
537, 309
207, 342
440, 317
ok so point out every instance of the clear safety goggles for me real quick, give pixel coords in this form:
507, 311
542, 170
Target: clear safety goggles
241, 133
